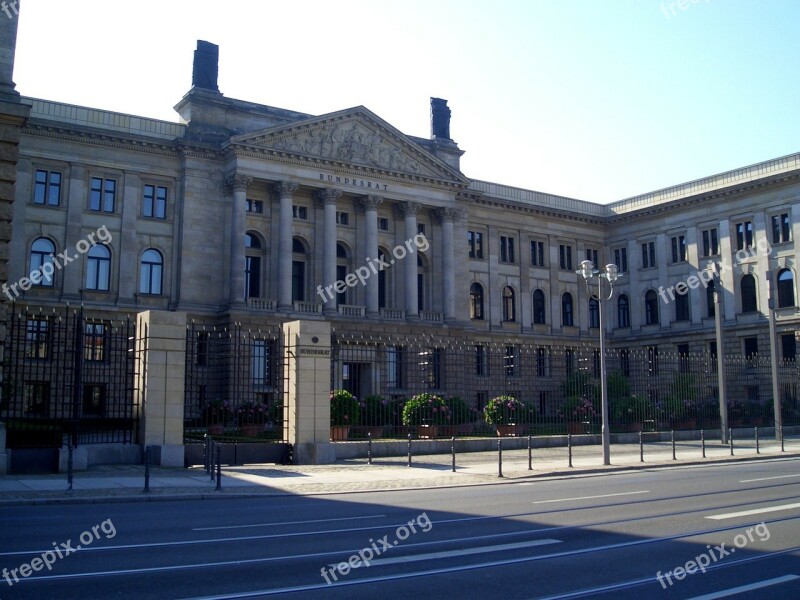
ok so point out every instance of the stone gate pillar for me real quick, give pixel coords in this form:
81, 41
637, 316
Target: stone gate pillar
160, 370
308, 360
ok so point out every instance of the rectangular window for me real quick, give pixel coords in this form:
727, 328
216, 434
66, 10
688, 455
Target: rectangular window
383, 224
201, 359
712, 351
481, 361
94, 337
255, 206
542, 363
480, 400
781, 229
652, 360
300, 212
421, 228
342, 218
506, 249
510, 360
37, 339
155, 201
789, 347
537, 253
475, 244
592, 256
94, 400
102, 196
569, 360
648, 255
37, 398
565, 257
678, 248
744, 235
621, 259
394, 367
262, 362
710, 242
625, 362
47, 189
683, 358
750, 347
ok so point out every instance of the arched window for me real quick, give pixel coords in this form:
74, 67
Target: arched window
749, 298
151, 272
539, 313
509, 304
98, 268
252, 266
567, 317
476, 301
594, 313
785, 288
623, 311
42, 251
651, 308
299, 270
711, 306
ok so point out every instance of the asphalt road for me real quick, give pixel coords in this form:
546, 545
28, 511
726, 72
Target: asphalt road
734, 528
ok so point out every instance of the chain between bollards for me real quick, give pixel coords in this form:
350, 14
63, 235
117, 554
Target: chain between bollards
758, 448
409, 449
703, 441
219, 468
69, 468
147, 469
453, 451
569, 448
730, 438
780, 429
641, 447
369, 447
499, 458
530, 455
672, 437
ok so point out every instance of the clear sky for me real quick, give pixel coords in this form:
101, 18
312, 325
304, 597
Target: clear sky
593, 99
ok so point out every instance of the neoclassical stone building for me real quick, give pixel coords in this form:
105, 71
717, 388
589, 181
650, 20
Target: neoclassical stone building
245, 213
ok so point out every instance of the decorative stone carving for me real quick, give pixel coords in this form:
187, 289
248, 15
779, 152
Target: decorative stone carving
328, 196
448, 214
285, 188
371, 202
237, 183
440, 119
206, 66
408, 208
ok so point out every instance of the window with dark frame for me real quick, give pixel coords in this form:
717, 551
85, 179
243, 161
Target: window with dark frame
475, 244
565, 257
507, 254
648, 255
621, 259
47, 188
155, 201
744, 235
37, 339
678, 248
94, 342
537, 253
102, 195
781, 228
94, 400
710, 242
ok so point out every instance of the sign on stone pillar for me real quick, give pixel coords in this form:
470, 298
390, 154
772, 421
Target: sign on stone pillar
160, 383
308, 361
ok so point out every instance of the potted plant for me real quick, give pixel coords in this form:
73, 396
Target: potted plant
374, 415
216, 415
580, 413
251, 416
345, 413
426, 412
509, 415
462, 419
630, 412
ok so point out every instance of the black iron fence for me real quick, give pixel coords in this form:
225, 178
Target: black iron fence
68, 378
481, 389
235, 382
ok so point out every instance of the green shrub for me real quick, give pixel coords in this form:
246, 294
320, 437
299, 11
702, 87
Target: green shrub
345, 409
426, 409
507, 410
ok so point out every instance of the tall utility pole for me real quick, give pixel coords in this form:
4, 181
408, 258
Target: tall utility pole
723, 394
773, 356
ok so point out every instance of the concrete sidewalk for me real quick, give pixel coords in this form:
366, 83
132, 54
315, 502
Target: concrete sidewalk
126, 483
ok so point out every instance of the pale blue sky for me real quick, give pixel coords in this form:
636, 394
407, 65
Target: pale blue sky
599, 100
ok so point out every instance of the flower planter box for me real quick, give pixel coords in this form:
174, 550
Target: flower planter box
340, 432
578, 427
427, 431
510, 430
374, 431
216, 429
251, 429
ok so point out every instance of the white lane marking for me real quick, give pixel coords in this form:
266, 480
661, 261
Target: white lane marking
755, 511
463, 552
285, 523
768, 478
591, 497
747, 588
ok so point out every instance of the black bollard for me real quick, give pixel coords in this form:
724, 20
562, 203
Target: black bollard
409, 449
213, 450
703, 441
672, 436
758, 448
205, 452
369, 448
530, 455
147, 469
69, 469
453, 451
730, 438
569, 448
219, 468
641, 447
780, 429
499, 458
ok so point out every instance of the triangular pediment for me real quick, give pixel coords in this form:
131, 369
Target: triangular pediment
355, 136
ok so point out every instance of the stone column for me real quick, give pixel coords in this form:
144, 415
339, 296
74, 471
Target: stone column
285, 191
127, 244
238, 184
328, 198
161, 367
8, 45
409, 210
308, 360
448, 216
371, 204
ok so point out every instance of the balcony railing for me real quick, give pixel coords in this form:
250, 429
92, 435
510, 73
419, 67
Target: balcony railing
259, 304
351, 311
308, 308
430, 316
396, 314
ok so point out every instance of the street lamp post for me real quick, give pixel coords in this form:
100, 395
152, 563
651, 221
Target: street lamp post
610, 274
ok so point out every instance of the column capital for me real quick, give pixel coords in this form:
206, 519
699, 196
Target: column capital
452, 215
327, 196
237, 183
285, 189
370, 202
408, 208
